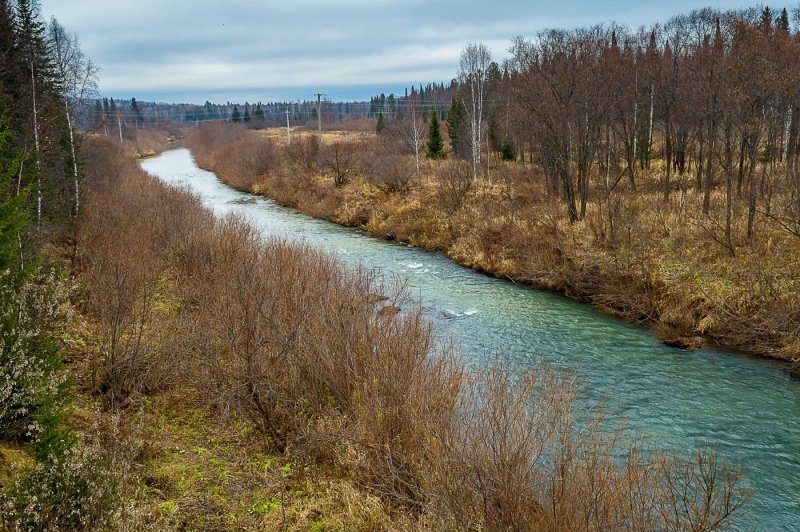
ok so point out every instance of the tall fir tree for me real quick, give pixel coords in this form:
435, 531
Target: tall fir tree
380, 126
457, 126
235, 116
435, 140
136, 112
783, 21
13, 212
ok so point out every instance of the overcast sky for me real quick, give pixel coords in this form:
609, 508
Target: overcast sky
238, 50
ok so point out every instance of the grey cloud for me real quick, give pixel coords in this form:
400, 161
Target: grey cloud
181, 50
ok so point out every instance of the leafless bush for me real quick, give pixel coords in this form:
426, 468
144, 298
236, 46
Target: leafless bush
305, 152
389, 173
240, 156
339, 159
516, 459
454, 183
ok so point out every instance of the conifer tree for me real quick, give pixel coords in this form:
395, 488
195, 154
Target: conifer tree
380, 127
457, 126
783, 21
235, 116
435, 141
766, 20
13, 215
136, 112
33, 52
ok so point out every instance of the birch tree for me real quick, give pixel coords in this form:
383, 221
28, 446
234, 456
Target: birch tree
473, 73
76, 83
33, 51
413, 128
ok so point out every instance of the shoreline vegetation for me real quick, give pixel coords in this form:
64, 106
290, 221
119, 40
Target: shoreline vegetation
653, 173
165, 369
224, 381
666, 272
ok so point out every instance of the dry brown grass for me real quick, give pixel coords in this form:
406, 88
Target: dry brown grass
279, 137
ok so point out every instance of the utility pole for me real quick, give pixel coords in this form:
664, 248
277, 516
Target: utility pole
288, 131
319, 115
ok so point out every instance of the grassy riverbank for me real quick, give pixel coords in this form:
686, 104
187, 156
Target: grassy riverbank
666, 267
225, 382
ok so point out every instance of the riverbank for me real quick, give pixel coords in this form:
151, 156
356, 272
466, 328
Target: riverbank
664, 270
231, 382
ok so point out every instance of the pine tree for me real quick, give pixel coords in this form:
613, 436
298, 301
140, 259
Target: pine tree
380, 127
10, 63
783, 21
766, 20
235, 116
457, 127
246, 119
34, 55
507, 151
259, 113
13, 214
435, 140
136, 112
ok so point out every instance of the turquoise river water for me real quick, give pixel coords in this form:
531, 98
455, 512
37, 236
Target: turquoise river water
747, 408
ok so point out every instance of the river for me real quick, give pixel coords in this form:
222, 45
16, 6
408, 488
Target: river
747, 408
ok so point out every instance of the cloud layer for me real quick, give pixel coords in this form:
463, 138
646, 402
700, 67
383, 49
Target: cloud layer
191, 51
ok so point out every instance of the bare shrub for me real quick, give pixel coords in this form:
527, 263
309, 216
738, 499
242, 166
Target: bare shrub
518, 459
252, 318
389, 173
318, 359
454, 183
339, 159
238, 155
699, 493
304, 152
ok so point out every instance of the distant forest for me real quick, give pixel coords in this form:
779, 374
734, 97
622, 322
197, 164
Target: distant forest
107, 113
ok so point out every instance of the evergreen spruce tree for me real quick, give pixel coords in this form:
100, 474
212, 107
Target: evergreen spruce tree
235, 116
138, 118
10, 63
457, 126
380, 127
13, 212
259, 113
783, 21
766, 20
507, 151
246, 119
435, 140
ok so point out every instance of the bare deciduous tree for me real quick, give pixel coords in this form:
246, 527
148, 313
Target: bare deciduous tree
473, 74
77, 82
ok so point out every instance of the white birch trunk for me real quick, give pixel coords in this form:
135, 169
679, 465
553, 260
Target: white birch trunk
74, 158
36, 145
650, 127
787, 132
